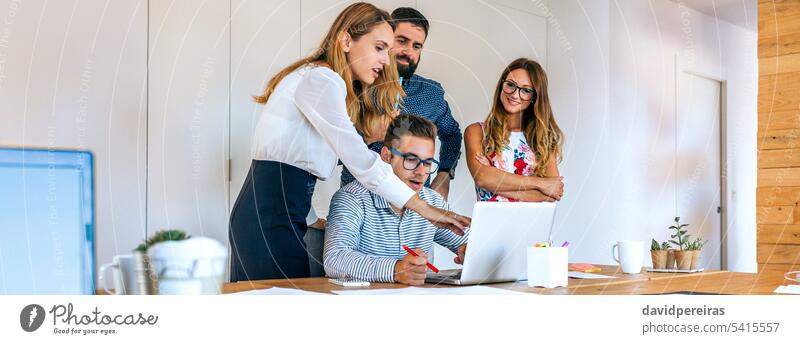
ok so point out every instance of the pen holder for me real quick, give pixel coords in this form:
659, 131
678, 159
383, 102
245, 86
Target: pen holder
547, 267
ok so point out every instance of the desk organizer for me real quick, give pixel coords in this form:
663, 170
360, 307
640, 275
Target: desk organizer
547, 267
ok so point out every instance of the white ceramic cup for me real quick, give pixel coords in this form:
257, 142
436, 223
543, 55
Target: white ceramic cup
125, 274
629, 254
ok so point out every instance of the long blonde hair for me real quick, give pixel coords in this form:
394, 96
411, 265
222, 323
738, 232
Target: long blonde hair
538, 124
365, 105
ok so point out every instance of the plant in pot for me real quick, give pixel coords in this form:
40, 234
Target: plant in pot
670, 258
149, 276
683, 257
695, 247
659, 253
160, 236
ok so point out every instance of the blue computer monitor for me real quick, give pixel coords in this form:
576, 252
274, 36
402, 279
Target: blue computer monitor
46, 222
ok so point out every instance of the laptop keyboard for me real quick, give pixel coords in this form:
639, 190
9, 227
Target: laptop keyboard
454, 274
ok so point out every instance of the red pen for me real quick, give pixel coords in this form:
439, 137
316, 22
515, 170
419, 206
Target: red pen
416, 255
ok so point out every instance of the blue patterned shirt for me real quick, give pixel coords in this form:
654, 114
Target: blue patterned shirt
425, 97
364, 235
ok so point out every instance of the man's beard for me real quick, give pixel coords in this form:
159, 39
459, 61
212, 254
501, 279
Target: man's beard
406, 71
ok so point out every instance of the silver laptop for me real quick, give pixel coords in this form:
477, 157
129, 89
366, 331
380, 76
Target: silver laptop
498, 240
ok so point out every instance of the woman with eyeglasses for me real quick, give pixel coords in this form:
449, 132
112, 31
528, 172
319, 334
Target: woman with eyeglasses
313, 112
513, 155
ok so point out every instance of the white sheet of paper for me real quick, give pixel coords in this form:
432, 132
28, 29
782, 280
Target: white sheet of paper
586, 275
471, 290
788, 289
278, 291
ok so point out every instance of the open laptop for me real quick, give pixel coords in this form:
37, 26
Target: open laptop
500, 235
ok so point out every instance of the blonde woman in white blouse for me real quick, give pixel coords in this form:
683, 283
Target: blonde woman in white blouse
314, 110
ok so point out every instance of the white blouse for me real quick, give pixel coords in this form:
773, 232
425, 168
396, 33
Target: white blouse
305, 124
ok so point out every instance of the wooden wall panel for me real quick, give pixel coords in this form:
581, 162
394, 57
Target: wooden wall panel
779, 234
779, 139
778, 193
779, 254
778, 92
776, 120
778, 176
779, 64
782, 215
773, 45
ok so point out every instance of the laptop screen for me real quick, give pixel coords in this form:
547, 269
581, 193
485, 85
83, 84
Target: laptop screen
46, 222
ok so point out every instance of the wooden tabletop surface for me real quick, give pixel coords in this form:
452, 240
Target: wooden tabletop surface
715, 282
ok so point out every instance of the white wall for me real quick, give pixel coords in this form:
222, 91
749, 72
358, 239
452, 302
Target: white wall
619, 165
189, 47
741, 48
578, 49
257, 53
73, 76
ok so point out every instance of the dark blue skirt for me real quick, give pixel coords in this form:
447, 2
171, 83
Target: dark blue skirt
268, 223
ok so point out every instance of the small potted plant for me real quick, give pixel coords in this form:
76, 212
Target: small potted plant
695, 247
683, 257
140, 254
670, 258
163, 235
658, 253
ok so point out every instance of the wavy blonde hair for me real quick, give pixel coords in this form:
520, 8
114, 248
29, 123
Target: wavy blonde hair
365, 105
538, 123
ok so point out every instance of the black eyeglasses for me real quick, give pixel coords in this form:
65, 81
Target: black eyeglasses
509, 87
411, 161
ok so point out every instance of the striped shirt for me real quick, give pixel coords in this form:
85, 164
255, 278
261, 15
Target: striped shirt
364, 235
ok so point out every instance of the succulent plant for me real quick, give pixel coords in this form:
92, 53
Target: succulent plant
696, 245
655, 246
161, 236
681, 239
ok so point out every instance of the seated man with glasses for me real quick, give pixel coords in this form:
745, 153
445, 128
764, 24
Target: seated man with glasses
365, 235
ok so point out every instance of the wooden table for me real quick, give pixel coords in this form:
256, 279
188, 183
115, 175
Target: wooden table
717, 282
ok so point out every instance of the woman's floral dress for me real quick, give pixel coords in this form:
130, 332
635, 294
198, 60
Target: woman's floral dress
517, 157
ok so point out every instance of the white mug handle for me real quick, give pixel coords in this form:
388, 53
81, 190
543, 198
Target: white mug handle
614, 253
796, 273
114, 265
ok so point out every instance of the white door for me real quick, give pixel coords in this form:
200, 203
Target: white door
698, 182
257, 53
187, 185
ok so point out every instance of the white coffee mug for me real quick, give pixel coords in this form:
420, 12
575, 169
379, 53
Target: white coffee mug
126, 273
629, 254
